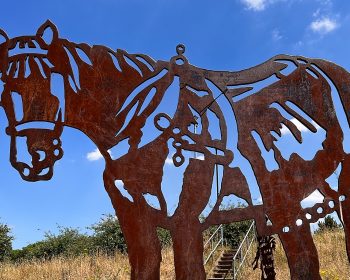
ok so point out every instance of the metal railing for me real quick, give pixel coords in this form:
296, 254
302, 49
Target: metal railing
242, 251
214, 241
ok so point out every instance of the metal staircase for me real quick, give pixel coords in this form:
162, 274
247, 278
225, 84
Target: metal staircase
230, 261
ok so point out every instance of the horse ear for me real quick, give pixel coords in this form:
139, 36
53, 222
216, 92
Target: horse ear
48, 32
3, 36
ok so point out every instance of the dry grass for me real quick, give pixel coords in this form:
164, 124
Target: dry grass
84, 267
330, 245
331, 251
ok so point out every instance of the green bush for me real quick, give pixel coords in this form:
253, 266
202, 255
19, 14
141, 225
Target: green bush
5, 242
107, 236
329, 223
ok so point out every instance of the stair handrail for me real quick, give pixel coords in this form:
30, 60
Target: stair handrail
210, 241
240, 250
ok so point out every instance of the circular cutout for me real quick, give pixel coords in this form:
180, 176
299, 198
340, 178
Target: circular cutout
179, 61
285, 229
55, 142
162, 121
331, 204
299, 222
56, 152
342, 198
180, 49
26, 171
176, 130
308, 216
319, 210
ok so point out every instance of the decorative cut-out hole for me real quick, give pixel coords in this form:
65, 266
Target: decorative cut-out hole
40, 66
188, 139
120, 186
129, 117
342, 198
256, 87
75, 68
331, 204
44, 171
152, 201
291, 67
140, 88
56, 152
268, 156
302, 61
163, 122
57, 89
83, 56
214, 125
314, 198
232, 201
18, 105
120, 149
48, 63
200, 93
26, 172
285, 229
176, 130
333, 179
148, 100
312, 73
198, 155
55, 142
299, 222
115, 61
308, 216
179, 61
41, 154
144, 61
133, 64
319, 210
177, 144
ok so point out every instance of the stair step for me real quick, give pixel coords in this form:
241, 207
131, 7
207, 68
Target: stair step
225, 262
216, 270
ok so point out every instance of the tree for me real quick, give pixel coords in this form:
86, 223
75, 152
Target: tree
329, 223
108, 236
5, 241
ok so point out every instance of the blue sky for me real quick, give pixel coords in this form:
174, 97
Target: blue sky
225, 35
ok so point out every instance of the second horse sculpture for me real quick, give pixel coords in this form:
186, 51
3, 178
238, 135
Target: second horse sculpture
112, 95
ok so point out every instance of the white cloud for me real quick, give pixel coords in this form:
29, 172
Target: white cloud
255, 5
169, 160
276, 35
299, 125
324, 25
312, 199
95, 155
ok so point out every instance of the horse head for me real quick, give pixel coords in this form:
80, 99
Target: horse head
25, 70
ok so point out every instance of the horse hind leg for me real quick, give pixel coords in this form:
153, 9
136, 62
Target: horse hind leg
344, 205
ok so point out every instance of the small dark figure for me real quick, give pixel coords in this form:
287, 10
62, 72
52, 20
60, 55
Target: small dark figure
266, 246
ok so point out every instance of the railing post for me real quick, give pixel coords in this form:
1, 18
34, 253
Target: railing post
222, 235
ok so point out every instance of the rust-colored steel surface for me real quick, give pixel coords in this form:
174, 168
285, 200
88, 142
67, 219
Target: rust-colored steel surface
111, 96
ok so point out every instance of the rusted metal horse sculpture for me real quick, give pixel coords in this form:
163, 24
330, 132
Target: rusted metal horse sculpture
112, 95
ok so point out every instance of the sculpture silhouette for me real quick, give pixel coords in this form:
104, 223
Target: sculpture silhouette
111, 95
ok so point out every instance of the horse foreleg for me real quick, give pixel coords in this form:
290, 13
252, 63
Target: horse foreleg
188, 251
144, 248
301, 254
140, 233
